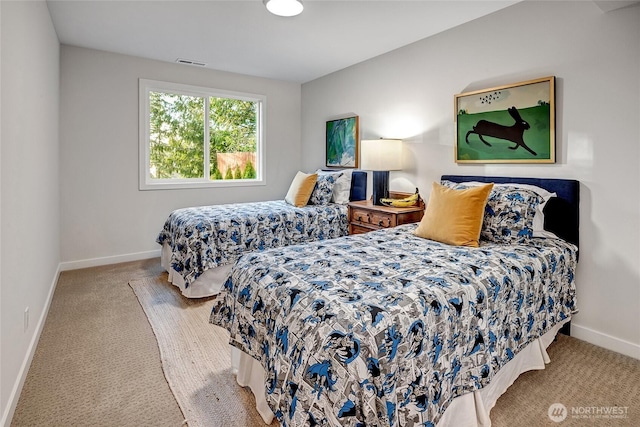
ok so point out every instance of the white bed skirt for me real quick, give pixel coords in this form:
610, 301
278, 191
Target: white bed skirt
469, 410
209, 283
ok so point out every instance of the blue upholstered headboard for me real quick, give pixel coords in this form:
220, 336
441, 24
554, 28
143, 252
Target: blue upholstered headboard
358, 186
561, 214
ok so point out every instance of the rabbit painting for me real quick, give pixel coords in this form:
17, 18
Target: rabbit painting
513, 133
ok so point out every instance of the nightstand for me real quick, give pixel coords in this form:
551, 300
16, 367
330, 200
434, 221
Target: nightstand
364, 216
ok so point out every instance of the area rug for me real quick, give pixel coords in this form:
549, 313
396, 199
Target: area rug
195, 357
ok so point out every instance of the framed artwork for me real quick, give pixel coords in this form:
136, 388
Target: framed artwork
514, 123
343, 143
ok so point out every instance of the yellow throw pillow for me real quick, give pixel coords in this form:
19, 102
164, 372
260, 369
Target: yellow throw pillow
300, 189
453, 216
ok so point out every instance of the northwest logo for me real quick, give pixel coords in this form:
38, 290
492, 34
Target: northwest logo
557, 412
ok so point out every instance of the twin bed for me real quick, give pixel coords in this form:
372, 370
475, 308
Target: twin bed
389, 328
200, 244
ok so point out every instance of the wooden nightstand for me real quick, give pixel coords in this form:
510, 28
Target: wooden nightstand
364, 216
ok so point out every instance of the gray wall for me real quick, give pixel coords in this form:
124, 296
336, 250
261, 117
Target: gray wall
105, 218
595, 56
30, 210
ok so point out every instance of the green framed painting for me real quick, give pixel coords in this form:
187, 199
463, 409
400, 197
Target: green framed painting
343, 142
514, 123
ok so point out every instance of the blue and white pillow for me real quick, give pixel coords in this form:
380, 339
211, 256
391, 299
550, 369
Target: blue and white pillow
342, 187
508, 216
509, 213
323, 190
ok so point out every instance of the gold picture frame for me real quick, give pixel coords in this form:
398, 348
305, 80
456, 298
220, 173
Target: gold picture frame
513, 123
343, 142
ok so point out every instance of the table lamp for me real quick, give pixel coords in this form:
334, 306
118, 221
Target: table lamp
381, 156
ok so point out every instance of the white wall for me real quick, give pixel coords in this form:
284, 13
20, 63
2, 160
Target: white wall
595, 57
105, 218
30, 219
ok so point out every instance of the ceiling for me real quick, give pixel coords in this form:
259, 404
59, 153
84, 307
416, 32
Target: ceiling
241, 36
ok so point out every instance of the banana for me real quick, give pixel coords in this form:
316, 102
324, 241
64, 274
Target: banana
406, 202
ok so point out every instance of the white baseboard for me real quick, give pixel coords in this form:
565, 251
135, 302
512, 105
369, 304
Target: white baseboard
607, 341
24, 368
116, 259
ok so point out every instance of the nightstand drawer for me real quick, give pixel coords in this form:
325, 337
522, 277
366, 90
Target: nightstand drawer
356, 229
361, 215
382, 220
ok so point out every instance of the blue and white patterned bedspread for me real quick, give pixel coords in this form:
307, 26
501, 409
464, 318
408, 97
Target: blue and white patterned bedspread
385, 328
209, 236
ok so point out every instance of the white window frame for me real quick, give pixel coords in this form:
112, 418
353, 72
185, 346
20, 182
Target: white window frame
147, 183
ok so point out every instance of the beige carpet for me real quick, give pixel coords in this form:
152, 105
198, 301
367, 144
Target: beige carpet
586, 379
195, 357
97, 361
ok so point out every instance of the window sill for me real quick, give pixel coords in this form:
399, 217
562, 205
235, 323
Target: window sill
184, 185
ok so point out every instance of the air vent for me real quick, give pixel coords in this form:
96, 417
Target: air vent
190, 62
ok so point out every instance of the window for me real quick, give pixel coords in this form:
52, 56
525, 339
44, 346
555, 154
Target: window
192, 137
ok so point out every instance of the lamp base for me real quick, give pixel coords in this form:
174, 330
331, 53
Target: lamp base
380, 186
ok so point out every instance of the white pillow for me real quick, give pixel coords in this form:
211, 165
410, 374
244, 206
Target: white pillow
342, 187
538, 219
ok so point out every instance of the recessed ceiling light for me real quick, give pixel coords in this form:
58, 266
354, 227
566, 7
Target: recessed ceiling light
284, 7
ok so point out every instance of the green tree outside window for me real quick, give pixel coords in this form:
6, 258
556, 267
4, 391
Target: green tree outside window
177, 134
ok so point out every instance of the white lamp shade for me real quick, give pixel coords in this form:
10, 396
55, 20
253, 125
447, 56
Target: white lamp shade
284, 7
381, 154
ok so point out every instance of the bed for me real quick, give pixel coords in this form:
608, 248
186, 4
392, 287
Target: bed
200, 244
388, 328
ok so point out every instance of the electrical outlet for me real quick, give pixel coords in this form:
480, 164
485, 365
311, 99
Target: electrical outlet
26, 319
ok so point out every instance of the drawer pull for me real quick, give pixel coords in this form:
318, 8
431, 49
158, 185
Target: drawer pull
384, 222
365, 219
